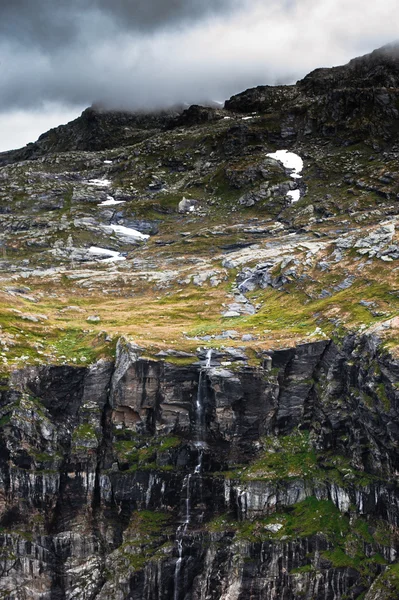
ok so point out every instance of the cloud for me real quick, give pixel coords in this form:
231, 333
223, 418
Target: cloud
50, 25
20, 127
152, 53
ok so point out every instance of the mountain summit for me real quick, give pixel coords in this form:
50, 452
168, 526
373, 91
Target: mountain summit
379, 69
358, 98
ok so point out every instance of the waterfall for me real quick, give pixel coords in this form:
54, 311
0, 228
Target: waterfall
199, 404
186, 487
188, 501
151, 481
198, 466
180, 532
199, 408
178, 569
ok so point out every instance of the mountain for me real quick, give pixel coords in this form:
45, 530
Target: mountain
199, 348
96, 129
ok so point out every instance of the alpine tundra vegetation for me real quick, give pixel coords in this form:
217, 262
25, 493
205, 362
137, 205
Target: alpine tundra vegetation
199, 348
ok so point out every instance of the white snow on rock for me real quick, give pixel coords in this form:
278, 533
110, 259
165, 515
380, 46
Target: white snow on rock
110, 201
107, 162
114, 259
102, 251
274, 527
111, 254
246, 118
290, 160
100, 182
126, 232
294, 195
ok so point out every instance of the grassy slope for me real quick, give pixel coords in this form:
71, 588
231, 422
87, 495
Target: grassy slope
134, 298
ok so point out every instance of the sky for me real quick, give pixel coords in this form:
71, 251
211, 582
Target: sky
58, 57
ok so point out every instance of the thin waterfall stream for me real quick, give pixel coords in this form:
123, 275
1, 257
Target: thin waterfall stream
200, 445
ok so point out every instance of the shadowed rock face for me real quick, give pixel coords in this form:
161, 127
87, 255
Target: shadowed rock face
262, 98
95, 129
351, 103
99, 466
379, 69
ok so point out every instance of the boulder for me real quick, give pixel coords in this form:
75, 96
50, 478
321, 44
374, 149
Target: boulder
188, 205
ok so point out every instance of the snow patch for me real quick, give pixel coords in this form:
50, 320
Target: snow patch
100, 182
126, 232
294, 195
112, 254
107, 162
290, 160
274, 527
110, 201
114, 259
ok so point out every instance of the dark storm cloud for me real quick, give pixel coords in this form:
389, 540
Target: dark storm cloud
63, 55
50, 24
82, 51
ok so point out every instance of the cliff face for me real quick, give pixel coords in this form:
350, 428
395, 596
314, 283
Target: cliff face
148, 479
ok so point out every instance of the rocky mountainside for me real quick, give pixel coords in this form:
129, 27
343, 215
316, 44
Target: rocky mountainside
199, 347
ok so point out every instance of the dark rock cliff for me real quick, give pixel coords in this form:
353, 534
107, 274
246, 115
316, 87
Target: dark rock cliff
348, 104
378, 69
148, 479
95, 129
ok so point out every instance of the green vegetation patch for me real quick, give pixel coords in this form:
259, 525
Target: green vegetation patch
134, 451
146, 533
314, 516
387, 584
293, 456
85, 435
307, 518
284, 457
353, 540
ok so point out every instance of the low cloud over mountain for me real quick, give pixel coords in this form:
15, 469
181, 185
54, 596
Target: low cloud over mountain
60, 57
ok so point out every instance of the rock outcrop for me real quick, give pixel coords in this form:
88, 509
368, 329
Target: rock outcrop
95, 129
351, 103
